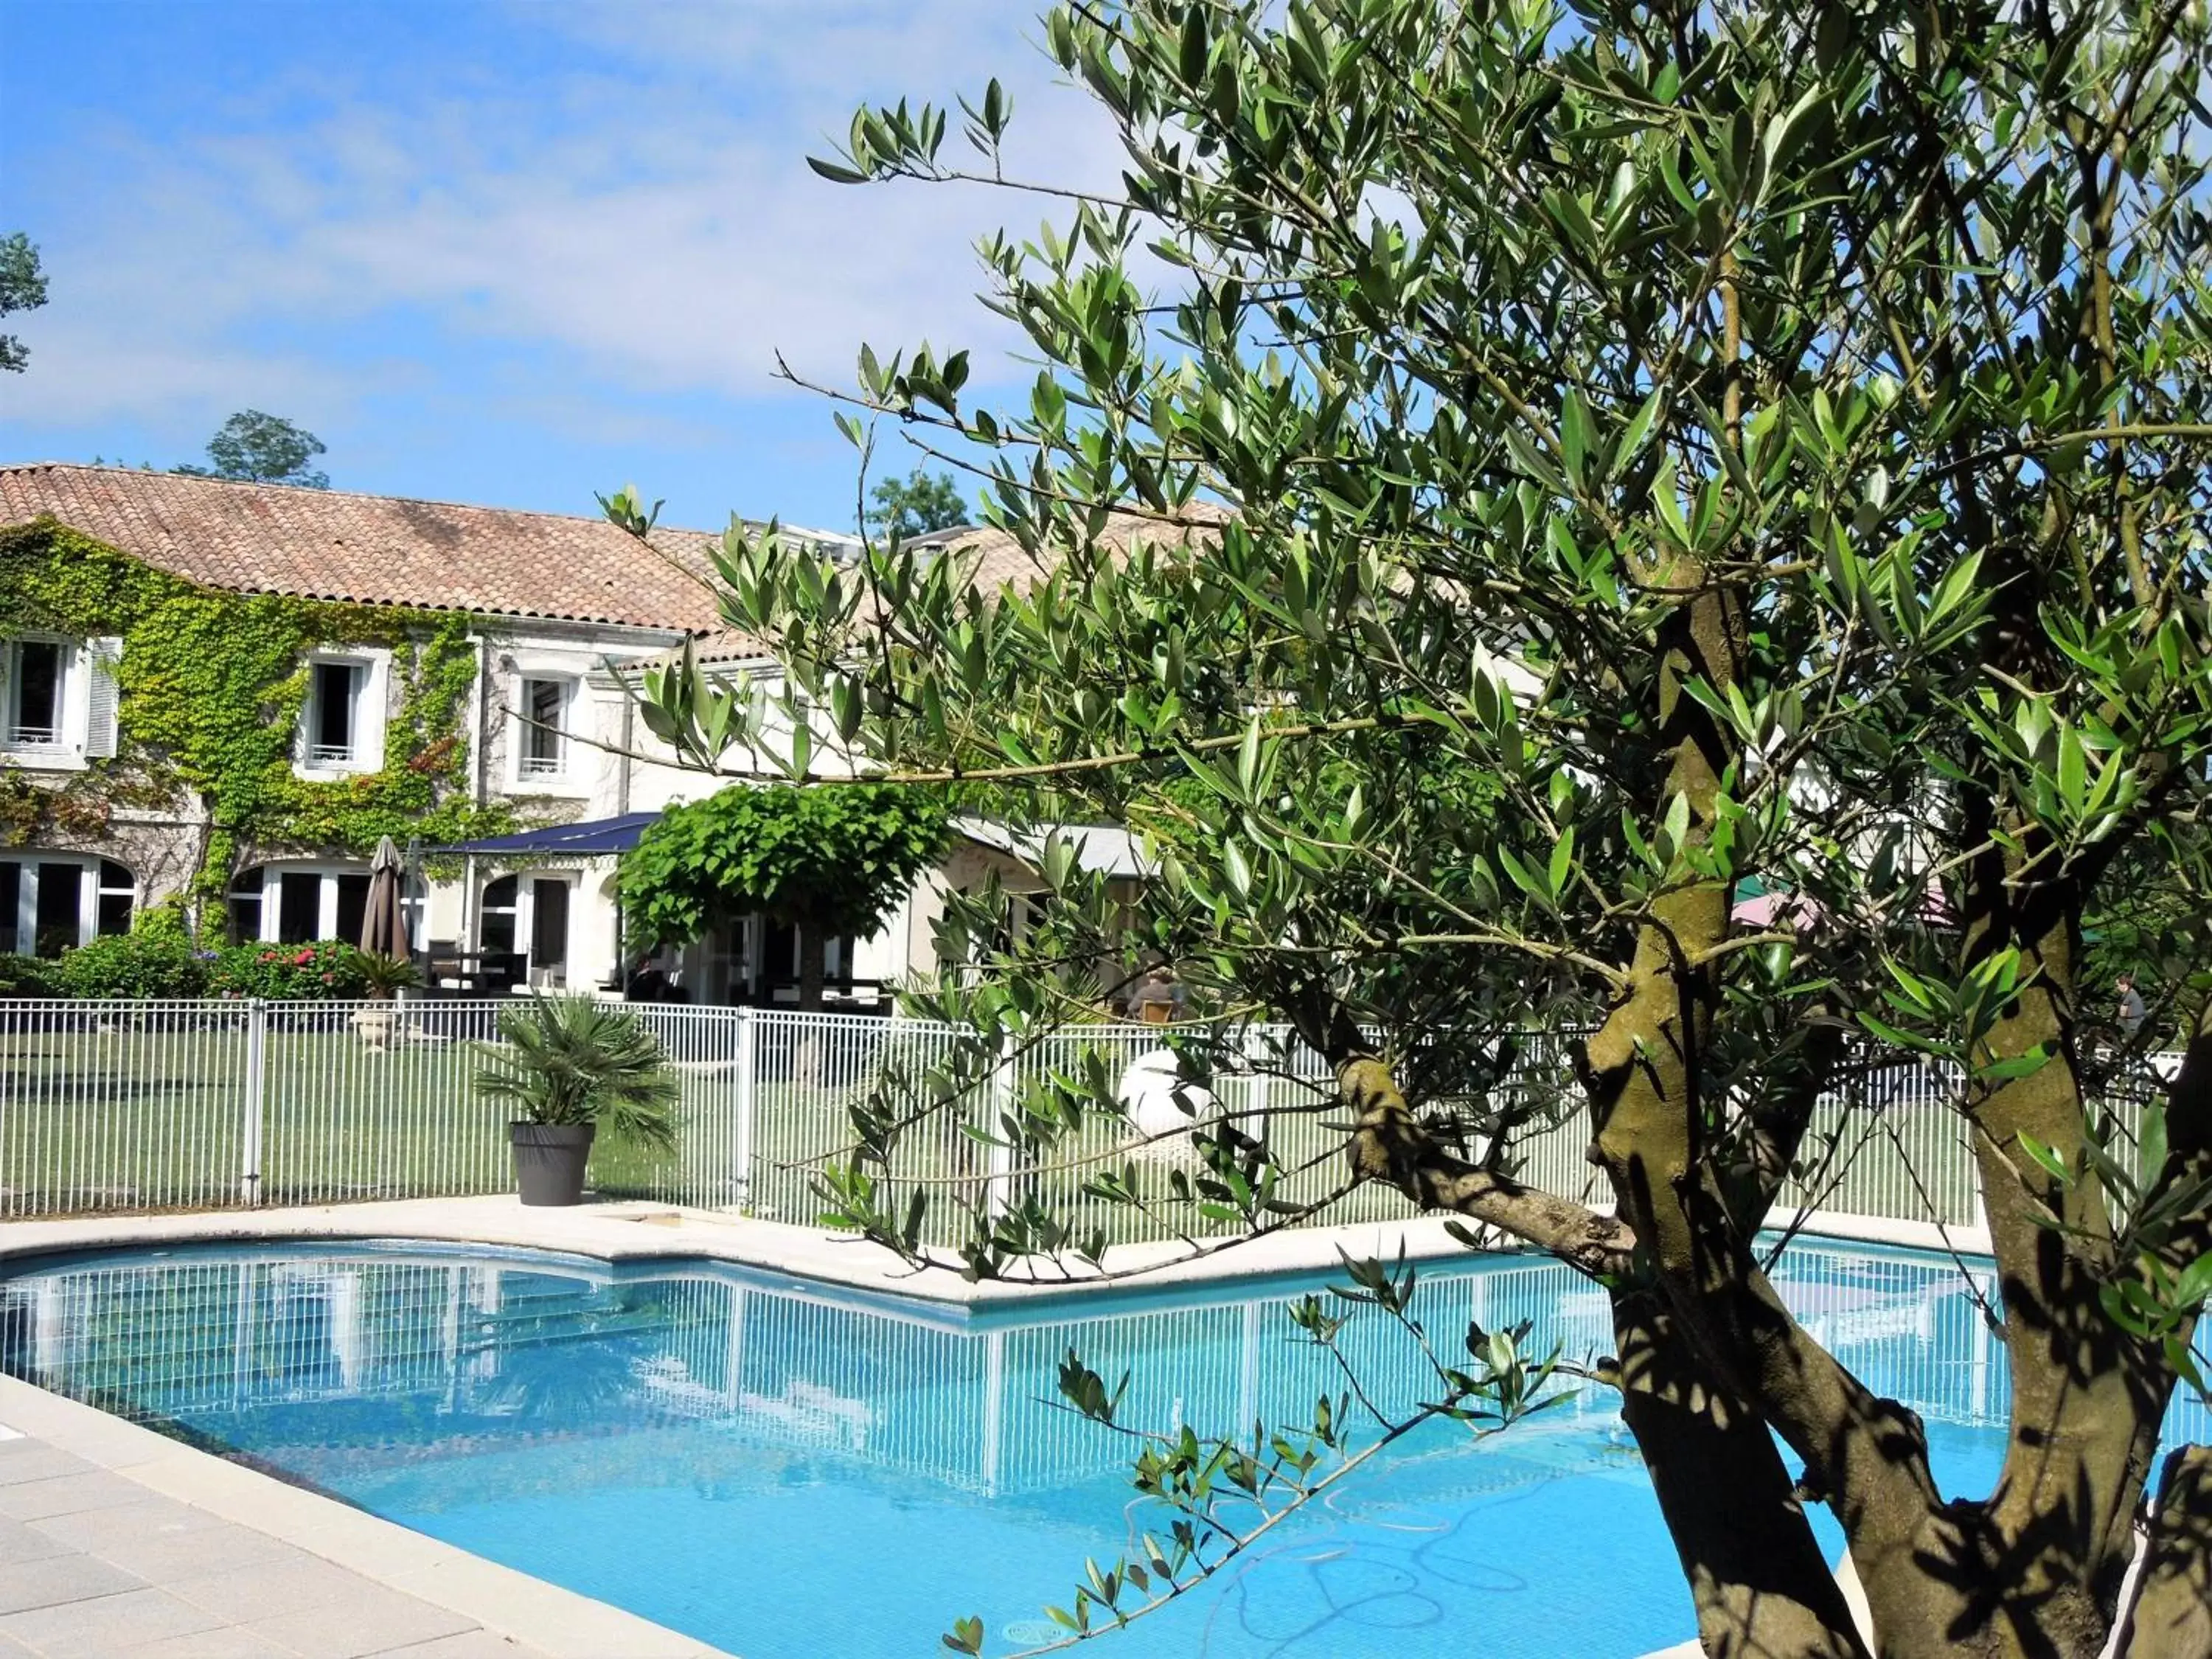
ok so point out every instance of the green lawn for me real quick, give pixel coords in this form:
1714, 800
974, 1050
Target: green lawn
154, 1113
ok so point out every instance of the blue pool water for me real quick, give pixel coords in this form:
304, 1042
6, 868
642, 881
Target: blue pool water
792, 1472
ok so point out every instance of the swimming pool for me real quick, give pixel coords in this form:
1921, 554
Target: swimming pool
790, 1472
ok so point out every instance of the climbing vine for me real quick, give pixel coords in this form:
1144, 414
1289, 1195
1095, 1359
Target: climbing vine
211, 686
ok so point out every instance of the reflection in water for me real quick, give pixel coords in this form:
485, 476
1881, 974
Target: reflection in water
659, 1437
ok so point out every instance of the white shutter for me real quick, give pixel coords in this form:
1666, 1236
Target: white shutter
372, 684
102, 697
304, 722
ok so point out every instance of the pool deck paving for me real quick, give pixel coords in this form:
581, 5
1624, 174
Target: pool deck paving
115, 1540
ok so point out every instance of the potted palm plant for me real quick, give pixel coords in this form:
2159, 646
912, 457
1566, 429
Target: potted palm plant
568, 1066
383, 977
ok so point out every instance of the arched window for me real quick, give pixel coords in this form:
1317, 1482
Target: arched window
245, 892
117, 894
495, 918
296, 905
50, 902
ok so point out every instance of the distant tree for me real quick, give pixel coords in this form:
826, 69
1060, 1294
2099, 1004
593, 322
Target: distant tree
257, 448
915, 505
22, 288
830, 863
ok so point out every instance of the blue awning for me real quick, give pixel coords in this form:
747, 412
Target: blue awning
594, 838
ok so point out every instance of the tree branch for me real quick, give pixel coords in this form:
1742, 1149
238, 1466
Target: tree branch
1388, 1144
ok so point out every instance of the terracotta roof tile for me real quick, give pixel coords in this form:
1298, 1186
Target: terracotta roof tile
373, 549
995, 560
992, 560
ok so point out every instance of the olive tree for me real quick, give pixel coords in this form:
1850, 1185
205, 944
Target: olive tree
1500, 477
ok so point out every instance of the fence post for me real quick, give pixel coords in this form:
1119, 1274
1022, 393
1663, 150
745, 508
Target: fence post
741, 1146
256, 1082
995, 1408
999, 1104
1258, 1120
1952, 1086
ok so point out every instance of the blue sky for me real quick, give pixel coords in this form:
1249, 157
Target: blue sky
498, 250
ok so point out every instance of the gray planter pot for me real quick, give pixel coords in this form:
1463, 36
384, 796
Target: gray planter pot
549, 1160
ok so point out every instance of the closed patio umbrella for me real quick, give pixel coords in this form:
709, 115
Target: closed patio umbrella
384, 924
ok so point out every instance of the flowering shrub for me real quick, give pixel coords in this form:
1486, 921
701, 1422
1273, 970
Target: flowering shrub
328, 968
156, 962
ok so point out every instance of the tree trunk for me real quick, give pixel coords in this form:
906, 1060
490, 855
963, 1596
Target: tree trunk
813, 947
2037, 1568
1760, 1587
2171, 1618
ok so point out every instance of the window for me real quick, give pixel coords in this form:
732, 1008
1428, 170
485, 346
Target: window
58, 700
341, 726
352, 907
779, 957
37, 670
56, 907
543, 752
245, 889
549, 932
298, 907
51, 904
495, 919
779, 954
333, 706
113, 899
1017, 915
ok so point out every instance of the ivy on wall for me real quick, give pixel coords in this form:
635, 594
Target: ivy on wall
211, 686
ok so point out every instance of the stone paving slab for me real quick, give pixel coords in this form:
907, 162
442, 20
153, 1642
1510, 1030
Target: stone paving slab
117, 1543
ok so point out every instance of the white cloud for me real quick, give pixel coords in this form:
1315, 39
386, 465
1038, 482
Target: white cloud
652, 225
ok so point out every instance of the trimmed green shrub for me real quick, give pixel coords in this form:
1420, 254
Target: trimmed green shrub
150, 962
28, 977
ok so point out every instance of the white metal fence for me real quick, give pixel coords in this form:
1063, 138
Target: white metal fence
107, 1106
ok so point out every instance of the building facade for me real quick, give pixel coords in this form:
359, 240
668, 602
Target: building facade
219, 695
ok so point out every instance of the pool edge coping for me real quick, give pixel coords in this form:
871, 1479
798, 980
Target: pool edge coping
632, 1232
558, 1622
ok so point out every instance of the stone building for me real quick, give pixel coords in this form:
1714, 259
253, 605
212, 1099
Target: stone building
219, 694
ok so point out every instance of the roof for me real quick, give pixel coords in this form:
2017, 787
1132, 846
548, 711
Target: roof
1100, 848
374, 549
593, 838
719, 649
995, 560
992, 561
